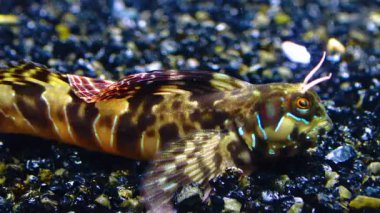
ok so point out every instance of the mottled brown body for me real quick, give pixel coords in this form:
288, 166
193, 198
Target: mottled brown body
38, 102
192, 125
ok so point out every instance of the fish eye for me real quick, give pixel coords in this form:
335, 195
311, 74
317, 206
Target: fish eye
303, 103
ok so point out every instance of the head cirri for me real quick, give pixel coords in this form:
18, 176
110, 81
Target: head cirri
286, 118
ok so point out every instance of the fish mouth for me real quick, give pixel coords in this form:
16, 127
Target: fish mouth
322, 128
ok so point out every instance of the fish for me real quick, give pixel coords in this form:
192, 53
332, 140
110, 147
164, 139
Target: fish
190, 125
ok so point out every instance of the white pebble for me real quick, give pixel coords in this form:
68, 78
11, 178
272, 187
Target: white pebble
295, 52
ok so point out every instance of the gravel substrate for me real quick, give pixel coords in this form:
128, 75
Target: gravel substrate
111, 38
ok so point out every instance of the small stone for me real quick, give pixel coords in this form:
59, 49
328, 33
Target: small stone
372, 191
125, 193
50, 202
332, 178
334, 45
285, 73
155, 65
267, 57
192, 63
8, 19
375, 17
3, 167
2, 180
295, 52
63, 32
261, 20
344, 193
221, 27
374, 168
282, 18
188, 196
361, 202
231, 205
103, 200
269, 196
297, 206
45, 175
341, 154
132, 204
60, 172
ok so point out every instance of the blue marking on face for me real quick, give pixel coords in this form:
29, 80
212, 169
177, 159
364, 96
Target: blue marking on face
303, 111
241, 131
261, 127
288, 137
297, 118
253, 136
271, 152
279, 124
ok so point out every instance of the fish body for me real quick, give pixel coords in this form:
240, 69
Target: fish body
191, 125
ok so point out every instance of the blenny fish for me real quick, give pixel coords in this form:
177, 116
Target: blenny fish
191, 125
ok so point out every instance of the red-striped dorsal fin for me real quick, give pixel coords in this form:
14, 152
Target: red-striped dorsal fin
154, 82
165, 82
88, 89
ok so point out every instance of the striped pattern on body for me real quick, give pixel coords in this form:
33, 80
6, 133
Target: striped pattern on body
131, 117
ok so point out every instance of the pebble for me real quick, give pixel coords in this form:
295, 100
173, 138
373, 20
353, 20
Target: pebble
231, 205
103, 200
332, 178
334, 45
341, 154
344, 193
188, 196
8, 19
374, 168
297, 206
363, 202
295, 52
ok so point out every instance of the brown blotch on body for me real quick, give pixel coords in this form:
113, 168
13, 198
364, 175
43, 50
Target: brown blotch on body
145, 120
212, 119
32, 107
128, 137
83, 125
169, 132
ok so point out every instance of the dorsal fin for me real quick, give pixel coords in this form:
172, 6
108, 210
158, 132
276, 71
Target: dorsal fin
170, 82
87, 89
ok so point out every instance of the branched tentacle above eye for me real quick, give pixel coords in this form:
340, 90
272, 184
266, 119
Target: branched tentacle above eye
306, 85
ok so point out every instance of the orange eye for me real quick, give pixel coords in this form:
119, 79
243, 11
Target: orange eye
303, 103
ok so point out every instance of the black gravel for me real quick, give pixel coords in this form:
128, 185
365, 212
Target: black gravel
112, 38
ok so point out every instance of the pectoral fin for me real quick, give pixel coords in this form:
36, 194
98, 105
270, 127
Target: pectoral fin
196, 158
